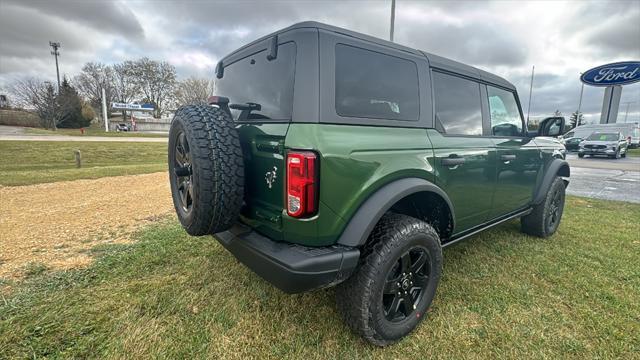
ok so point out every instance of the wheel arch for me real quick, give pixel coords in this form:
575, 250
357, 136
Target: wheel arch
384, 199
558, 167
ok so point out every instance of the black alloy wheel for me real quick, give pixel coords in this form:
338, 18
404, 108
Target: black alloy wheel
405, 284
183, 172
555, 211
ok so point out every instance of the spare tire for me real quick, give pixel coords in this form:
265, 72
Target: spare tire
206, 169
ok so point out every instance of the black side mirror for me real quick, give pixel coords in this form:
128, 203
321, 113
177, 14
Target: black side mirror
553, 126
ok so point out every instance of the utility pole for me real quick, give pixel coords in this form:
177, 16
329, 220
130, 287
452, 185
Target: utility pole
626, 114
580, 102
56, 53
104, 111
393, 19
530, 92
578, 122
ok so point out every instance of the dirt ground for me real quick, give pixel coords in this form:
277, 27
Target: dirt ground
53, 225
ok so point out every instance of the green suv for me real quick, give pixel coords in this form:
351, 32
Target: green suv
335, 158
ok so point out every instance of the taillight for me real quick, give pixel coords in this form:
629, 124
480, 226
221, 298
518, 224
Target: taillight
302, 185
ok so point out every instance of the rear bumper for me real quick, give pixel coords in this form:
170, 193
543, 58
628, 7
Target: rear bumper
292, 268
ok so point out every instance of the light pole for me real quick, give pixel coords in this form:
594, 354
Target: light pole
393, 19
530, 92
626, 114
580, 101
579, 106
56, 53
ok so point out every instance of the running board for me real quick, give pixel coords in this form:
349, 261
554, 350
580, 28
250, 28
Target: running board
487, 226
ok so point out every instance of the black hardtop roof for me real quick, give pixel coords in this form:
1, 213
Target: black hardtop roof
435, 61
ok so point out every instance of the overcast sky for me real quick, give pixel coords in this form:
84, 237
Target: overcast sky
561, 39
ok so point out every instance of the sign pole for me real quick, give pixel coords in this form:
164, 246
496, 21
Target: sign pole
104, 111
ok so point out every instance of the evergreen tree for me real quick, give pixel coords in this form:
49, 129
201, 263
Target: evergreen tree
70, 106
576, 119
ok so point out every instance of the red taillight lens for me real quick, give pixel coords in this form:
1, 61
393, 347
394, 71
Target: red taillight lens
302, 186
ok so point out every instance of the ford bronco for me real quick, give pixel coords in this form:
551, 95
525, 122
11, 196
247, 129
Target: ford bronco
330, 157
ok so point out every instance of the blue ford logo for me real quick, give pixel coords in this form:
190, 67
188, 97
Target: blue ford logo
620, 73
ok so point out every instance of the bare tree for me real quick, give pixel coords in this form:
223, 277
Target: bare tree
193, 91
157, 81
40, 96
90, 82
125, 86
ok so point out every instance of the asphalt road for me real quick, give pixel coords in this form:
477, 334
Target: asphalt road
627, 164
604, 178
17, 134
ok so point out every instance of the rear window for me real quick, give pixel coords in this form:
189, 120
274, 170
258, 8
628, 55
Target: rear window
374, 85
257, 80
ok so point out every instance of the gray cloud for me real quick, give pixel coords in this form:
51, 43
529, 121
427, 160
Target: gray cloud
619, 35
472, 43
507, 38
110, 16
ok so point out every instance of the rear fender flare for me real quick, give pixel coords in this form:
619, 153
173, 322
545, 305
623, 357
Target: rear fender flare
369, 213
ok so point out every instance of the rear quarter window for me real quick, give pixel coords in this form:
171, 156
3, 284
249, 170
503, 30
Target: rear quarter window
269, 83
370, 84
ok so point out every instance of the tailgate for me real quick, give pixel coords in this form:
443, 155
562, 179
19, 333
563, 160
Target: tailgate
263, 151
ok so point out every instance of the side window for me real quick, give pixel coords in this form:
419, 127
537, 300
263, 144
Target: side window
457, 105
505, 116
374, 85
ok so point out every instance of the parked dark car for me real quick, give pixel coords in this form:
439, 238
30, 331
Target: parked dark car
611, 144
572, 144
122, 127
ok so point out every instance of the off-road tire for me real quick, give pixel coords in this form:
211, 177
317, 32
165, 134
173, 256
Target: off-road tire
216, 169
540, 222
360, 298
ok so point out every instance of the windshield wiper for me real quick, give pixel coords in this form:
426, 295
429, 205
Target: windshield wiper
246, 106
245, 109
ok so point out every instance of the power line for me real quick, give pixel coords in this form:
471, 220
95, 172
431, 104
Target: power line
56, 53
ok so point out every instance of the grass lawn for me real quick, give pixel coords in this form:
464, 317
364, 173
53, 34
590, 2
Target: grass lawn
503, 295
633, 152
91, 131
33, 162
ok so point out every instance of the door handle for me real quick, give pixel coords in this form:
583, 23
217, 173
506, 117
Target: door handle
507, 157
453, 161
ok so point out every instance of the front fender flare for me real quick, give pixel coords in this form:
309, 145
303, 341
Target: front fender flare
369, 213
557, 166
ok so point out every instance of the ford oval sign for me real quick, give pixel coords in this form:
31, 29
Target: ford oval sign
620, 73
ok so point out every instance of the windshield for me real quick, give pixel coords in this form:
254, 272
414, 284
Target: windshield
603, 137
